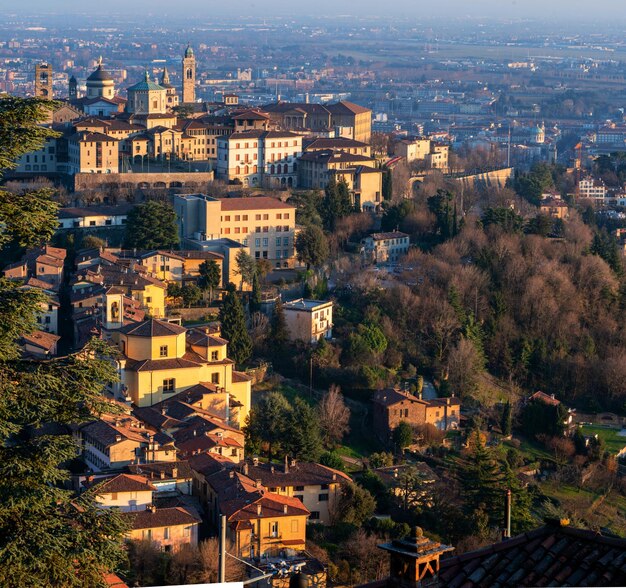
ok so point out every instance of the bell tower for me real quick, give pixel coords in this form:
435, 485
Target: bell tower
113, 309
43, 81
189, 76
73, 89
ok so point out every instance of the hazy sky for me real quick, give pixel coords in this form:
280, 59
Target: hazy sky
538, 9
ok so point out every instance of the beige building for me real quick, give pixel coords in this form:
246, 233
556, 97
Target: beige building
318, 487
93, 153
147, 97
342, 119
412, 150
309, 320
338, 144
364, 179
385, 247
265, 225
438, 158
100, 84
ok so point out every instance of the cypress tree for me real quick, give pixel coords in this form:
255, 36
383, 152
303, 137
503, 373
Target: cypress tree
255, 296
279, 335
234, 330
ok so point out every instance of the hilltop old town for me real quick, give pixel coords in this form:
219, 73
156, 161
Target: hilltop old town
274, 317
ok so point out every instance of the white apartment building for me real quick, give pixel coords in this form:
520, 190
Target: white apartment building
259, 158
593, 189
385, 247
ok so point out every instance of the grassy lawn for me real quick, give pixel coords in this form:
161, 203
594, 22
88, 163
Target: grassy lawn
532, 450
614, 443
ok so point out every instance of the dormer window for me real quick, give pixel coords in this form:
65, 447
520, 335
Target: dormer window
163, 351
214, 355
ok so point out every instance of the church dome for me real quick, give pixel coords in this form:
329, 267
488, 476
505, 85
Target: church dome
100, 75
189, 51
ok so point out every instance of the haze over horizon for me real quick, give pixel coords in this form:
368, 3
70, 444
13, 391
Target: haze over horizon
531, 9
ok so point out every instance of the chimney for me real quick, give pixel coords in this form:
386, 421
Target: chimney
420, 395
174, 472
272, 469
414, 561
245, 468
507, 515
286, 464
118, 438
255, 461
447, 401
151, 508
284, 509
231, 474
292, 463
259, 510
258, 482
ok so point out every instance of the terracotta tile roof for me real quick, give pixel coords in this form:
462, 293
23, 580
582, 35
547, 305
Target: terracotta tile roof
153, 328
124, 483
37, 283
157, 365
161, 517
345, 107
114, 581
391, 235
336, 143
240, 377
155, 418
153, 470
253, 203
49, 260
300, 474
390, 396
208, 464
41, 339
272, 505
552, 555
545, 398
200, 338
205, 442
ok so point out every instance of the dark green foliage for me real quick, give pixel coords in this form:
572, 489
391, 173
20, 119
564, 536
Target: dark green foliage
506, 422
255, 296
210, 276
387, 185
47, 539
234, 330
279, 335
302, 436
308, 207
191, 295
312, 246
403, 435
356, 505
542, 224
539, 418
337, 203
393, 215
605, 246
506, 218
333, 460
285, 429
533, 184
481, 483
174, 290
267, 423
443, 206
151, 225
245, 267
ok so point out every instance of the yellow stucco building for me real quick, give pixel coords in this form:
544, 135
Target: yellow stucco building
160, 359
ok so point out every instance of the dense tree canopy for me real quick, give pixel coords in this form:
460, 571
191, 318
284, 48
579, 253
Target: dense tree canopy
233, 322
47, 538
151, 225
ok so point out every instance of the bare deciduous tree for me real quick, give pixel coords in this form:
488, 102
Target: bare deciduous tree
334, 416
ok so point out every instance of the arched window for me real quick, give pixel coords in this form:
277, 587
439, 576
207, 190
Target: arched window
273, 169
246, 170
238, 170
189, 73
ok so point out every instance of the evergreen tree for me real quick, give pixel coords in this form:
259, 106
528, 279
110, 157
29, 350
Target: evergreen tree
245, 267
403, 435
255, 297
47, 537
268, 422
210, 276
387, 185
303, 439
312, 246
481, 482
234, 330
151, 225
191, 295
506, 424
337, 203
279, 335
